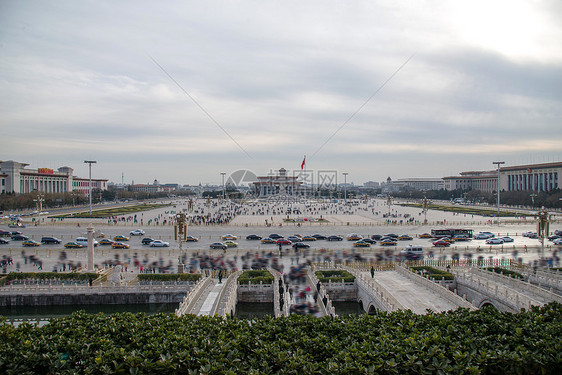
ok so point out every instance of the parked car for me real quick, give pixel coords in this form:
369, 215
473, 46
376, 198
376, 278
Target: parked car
484, 236
369, 241
218, 245
253, 237
441, 243
158, 243
301, 245
391, 235
4, 233
405, 237
19, 237
554, 237
275, 236
30, 243
388, 242
294, 239
506, 239
136, 232
319, 236
334, 238
120, 238
147, 240
309, 238
529, 234
558, 241
230, 244
376, 237
426, 235
361, 243
106, 241
283, 241
4, 241
354, 237
230, 237
268, 240
50, 240
84, 241
191, 239
73, 245
120, 245
461, 237
494, 241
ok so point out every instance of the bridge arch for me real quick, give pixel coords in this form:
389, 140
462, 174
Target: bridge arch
487, 303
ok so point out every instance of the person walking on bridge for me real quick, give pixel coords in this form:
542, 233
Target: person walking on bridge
372, 272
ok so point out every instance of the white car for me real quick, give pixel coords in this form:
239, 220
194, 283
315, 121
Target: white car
84, 241
483, 236
158, 243
558, 241
506, 239
137, 232
494, 241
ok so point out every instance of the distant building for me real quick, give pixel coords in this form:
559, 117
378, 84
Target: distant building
533, 177
18, 179
371, 184
420, 184
278, 184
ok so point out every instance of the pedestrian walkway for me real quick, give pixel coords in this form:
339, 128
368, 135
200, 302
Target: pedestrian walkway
210, 300
411, 295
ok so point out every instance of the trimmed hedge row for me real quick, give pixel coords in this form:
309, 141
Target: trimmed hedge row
255, 277
335, 276
433, 273
485, 341
113, 211
506, 272
47, 276
169, 276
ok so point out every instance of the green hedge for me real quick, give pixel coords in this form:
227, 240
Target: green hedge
169, 276
47, 276
506, 272
334, 276
117, 211
255, 277
434, 273
456, 342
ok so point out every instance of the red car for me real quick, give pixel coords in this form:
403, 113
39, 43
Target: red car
283, 241
441, 243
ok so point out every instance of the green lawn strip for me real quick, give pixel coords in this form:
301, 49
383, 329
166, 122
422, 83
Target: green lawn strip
466, 210
335, 276
113, 211
255, 277
506, 272
433, 273
485, 341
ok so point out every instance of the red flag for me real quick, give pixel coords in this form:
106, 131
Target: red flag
303, 162
528, 170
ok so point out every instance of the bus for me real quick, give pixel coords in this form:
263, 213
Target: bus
440, 233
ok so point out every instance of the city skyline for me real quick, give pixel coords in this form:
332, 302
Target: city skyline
183, 91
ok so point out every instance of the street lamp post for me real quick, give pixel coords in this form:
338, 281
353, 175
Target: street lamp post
345, 186
498, 163
90, 162
223, 192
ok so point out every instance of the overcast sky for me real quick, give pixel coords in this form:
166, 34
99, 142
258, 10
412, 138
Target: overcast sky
264, 83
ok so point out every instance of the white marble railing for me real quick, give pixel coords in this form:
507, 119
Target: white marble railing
329, 309
276, 305
517, 284
223, 308
86, 289
192, 296
437, 288
508, 296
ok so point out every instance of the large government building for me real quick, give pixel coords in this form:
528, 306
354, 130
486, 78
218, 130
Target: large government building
534, 177
16, 178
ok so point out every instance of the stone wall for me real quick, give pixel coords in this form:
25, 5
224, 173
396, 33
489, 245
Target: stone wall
261, 293
341, 292
90, 299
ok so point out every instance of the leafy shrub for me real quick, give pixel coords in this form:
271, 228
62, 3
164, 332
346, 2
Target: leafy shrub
433, 273
506, 272
334, 276
455, 342
256, 277
169, 276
